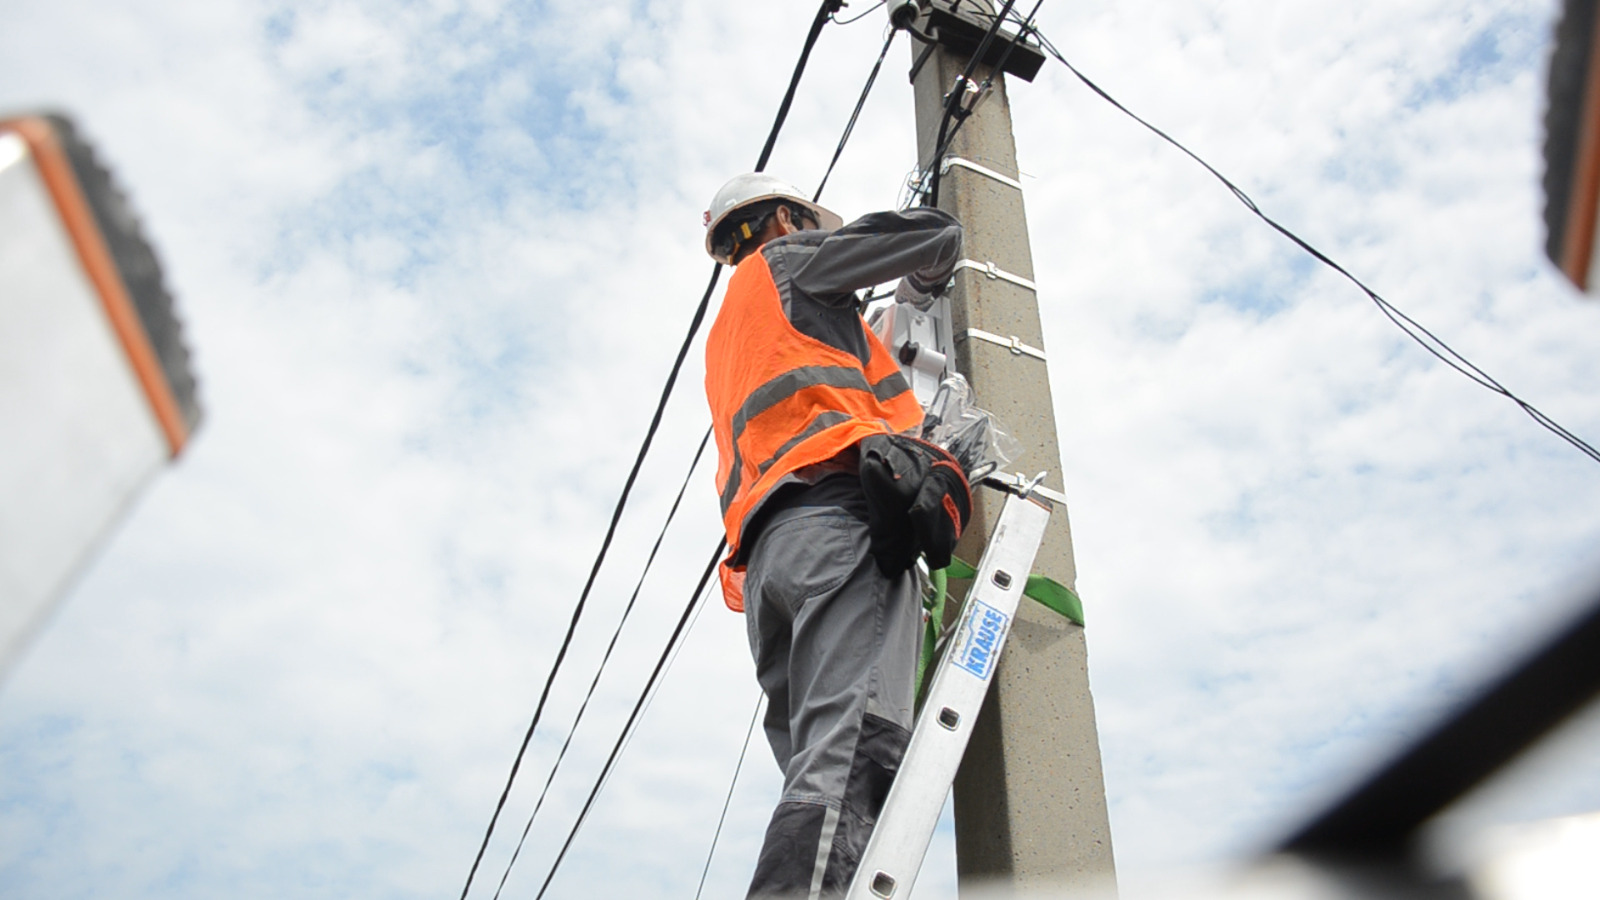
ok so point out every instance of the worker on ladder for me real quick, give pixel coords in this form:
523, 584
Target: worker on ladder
827, 502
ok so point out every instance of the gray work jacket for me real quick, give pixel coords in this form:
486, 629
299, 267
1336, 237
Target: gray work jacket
818, 272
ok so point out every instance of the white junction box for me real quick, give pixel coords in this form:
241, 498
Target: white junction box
919, 341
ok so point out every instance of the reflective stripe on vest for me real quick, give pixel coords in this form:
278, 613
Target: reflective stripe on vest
788, 385
781, 400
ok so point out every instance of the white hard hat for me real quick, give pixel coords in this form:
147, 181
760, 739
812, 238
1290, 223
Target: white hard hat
754, 187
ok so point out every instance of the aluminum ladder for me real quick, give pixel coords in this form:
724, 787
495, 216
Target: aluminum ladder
889, 866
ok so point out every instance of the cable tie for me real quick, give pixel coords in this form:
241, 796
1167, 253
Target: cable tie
1026, 485
951, 162
965, 85
1012, 343
993, 271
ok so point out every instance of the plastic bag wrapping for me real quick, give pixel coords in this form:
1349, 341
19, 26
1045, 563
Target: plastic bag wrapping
971, 434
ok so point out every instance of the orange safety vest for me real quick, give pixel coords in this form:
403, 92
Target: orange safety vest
781, 400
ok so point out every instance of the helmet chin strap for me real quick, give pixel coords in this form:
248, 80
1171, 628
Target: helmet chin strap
747, 230
743, 232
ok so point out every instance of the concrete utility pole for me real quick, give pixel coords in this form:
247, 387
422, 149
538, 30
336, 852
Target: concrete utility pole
1030, 802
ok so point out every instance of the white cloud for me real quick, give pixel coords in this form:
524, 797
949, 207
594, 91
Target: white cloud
435, 261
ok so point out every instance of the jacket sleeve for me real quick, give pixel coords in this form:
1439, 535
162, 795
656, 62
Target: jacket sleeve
919, 245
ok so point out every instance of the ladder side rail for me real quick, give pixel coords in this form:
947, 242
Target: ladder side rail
899, 841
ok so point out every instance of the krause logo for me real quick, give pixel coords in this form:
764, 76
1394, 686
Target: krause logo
978, 644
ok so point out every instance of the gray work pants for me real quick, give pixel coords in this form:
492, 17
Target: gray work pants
835, 644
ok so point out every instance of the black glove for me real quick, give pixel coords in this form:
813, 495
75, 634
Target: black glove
917, 501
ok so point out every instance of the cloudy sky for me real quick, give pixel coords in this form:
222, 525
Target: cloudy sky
434, 259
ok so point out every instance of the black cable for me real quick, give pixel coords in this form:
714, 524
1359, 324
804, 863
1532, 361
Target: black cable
986, 12
856, 18
651, 688
855, 114
694, 600
704, 438
1025, 27
1412, 329
728, 801
604, 659
652, 692
931, 198
924, 183
594, 571
823, 11
952, 101
827, 9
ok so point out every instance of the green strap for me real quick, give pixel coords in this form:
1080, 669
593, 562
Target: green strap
1055, 595
930, 634
1049, 593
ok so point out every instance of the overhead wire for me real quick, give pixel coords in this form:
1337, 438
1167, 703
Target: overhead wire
920, 185
1413, 329
604, 659
677, 632
953, 100
1025, 27
728, 800
817, 196
945, 139
856, 113
859, 16
594, 571
827, 11
652, 692
651, 688
824, 11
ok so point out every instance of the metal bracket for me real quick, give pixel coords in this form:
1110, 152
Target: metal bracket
1023, 487
970, 89
962, 31
951, 162
994, 271
915, 188
1012, 343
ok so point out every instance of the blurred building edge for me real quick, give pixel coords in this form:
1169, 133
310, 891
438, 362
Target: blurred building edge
1381, 839
96, 393
1372, 838
1572, 145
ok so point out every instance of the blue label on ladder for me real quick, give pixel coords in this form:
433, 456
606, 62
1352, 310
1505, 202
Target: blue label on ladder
978, 642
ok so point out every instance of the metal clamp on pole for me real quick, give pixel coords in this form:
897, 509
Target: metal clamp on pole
951, 162
1012, 343
994, 271
1023, 487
